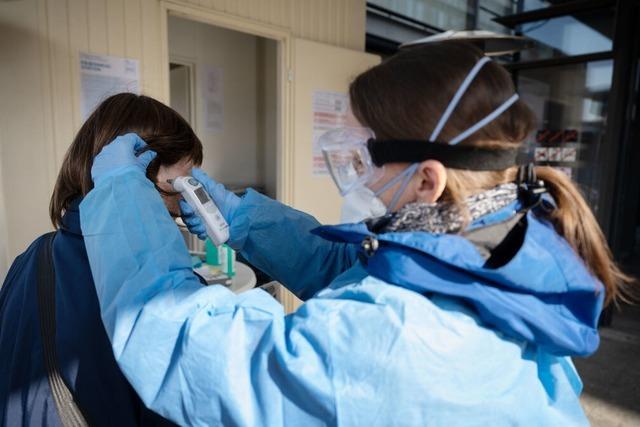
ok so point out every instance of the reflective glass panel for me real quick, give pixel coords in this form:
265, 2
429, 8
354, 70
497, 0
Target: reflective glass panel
527, 5
445, 14
579, 34
570, 103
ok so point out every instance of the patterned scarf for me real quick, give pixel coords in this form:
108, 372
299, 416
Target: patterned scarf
440, 218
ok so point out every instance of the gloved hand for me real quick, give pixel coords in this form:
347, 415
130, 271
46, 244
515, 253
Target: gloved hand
226, 201
120, 155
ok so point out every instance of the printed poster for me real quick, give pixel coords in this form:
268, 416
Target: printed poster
102, 76
331, 110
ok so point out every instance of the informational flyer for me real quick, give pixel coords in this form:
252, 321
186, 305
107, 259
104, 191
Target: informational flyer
331, 110
102, 76
214, 99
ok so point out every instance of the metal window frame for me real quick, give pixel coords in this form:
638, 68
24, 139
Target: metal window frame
559, 61
623, 129
561, 9
403, 19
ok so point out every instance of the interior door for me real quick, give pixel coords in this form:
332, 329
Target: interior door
321, 77
320, 81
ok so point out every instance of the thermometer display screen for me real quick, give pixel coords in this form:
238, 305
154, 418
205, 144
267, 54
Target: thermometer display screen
202, 195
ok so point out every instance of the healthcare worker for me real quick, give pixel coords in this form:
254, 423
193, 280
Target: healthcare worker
459, 300
50, 327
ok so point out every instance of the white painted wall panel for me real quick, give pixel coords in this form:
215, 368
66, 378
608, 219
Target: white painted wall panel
26, 154
336, 22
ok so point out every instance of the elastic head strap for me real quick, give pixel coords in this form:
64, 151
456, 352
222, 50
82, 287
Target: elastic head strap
456, 98
508, 103
452, 156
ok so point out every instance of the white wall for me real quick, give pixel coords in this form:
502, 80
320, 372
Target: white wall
27, 158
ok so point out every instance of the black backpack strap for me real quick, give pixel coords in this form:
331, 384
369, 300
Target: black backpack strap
69, 412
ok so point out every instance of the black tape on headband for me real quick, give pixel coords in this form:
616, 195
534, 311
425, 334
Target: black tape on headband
452, 156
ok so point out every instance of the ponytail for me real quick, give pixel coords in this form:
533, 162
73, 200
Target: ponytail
574, 221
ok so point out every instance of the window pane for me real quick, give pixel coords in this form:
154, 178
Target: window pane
583, 33
528, 5
445, 14
490, 9
452, 14
570, 103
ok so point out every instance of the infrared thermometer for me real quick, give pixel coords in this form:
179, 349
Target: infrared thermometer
195, 194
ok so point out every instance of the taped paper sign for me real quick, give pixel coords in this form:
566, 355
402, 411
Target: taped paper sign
102, 76
331, 110
541, 154
554, 154
569, 154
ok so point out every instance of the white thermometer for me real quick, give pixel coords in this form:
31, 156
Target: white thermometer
197, 197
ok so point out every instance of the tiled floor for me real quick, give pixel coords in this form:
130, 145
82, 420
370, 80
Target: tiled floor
611, 377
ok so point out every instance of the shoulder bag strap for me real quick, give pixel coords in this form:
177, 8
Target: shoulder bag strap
68, 410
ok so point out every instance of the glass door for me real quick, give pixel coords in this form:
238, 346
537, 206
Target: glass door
570, 103
566, 79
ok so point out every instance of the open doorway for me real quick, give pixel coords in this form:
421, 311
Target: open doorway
224, 82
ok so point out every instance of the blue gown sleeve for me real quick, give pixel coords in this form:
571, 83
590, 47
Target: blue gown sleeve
195, 354
277, 239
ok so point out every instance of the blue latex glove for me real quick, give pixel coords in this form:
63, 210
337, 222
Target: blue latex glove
119, 156
193, 222
226, 201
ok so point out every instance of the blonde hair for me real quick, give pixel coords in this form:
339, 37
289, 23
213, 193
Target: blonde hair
572, 219
403, 97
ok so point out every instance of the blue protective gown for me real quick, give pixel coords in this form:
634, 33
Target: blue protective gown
368, 347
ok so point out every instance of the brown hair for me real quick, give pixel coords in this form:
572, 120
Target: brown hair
404, 97
163, 129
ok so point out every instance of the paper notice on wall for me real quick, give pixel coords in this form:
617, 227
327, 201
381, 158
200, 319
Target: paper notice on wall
331, 110
214, 99
102, 76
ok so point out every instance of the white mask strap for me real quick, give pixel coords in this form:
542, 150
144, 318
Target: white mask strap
456, 98
486, 120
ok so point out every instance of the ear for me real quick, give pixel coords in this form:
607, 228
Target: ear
432, 179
